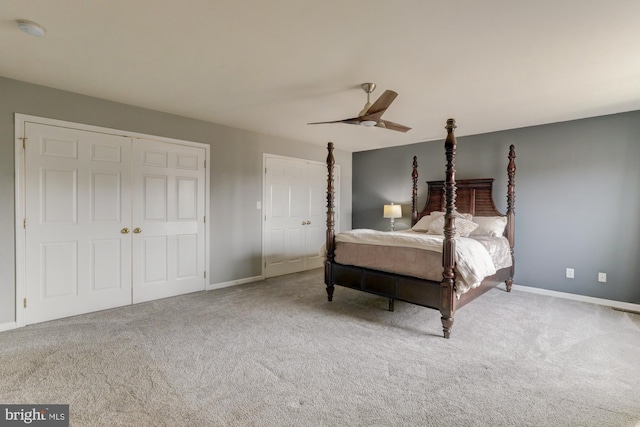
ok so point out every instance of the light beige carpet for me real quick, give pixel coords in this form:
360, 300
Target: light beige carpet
276, 353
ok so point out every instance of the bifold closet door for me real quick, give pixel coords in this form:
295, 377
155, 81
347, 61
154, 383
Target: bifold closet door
316, 228
295, 215
78, 214
110, 220
168, 219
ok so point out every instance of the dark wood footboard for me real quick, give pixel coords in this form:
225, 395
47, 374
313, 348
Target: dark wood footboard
426, 293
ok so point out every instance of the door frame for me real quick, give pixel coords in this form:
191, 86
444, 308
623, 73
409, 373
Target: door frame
20, 120
263, 207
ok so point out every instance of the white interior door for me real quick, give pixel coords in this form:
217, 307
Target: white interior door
295, 215
316, 227
286, 210
77, 208
109, 220
168, 219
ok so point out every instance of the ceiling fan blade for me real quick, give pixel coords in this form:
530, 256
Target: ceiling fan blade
381, 104
351, 121
386, 124
372, 116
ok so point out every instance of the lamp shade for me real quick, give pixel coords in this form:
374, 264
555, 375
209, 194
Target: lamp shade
392, 211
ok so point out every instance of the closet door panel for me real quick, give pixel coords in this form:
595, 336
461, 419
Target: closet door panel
168, 219
77, 203
286, 208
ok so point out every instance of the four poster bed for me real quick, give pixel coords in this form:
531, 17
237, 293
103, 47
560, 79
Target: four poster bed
431, 265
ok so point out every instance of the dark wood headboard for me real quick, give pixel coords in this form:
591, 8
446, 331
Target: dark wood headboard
473, 196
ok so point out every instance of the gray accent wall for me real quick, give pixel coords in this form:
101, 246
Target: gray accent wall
236, 174
577, 197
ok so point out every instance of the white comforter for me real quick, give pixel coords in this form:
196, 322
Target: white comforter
473, 262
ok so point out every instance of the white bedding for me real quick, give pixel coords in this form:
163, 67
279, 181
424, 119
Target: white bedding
473, 261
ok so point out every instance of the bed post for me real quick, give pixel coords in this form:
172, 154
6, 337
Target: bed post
511, 211
414, 192
447, 286
331, 232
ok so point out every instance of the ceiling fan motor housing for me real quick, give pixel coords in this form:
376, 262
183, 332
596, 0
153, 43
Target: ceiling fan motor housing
368, 87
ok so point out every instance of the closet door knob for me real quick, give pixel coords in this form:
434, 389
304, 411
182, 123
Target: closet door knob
125, 230
137, 230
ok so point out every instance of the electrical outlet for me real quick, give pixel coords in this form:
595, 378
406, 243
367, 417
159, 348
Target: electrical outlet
570, 273
602, 277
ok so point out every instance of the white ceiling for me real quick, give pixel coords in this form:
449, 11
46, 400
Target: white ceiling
273, 66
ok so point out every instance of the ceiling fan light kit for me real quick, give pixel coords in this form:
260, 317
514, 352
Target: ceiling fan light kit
31, 28
371, 114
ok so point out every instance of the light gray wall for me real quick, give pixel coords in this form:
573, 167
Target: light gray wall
577, 197
236, 174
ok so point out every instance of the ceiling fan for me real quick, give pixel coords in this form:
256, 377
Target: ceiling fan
371, 114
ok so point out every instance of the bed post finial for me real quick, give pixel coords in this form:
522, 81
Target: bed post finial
330, 243
511, 210
414, 192
447, 286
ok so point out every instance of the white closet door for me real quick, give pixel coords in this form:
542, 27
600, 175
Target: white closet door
286, 213
316, 228
168, 219
77, 206
295, 215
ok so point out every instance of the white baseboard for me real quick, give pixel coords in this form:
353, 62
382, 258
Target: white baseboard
221, 285
627, 306
8, 326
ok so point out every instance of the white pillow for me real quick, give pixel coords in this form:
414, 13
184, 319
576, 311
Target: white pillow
463, 226
467, 216
423, 224
436, 214
439, 227
489, 226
